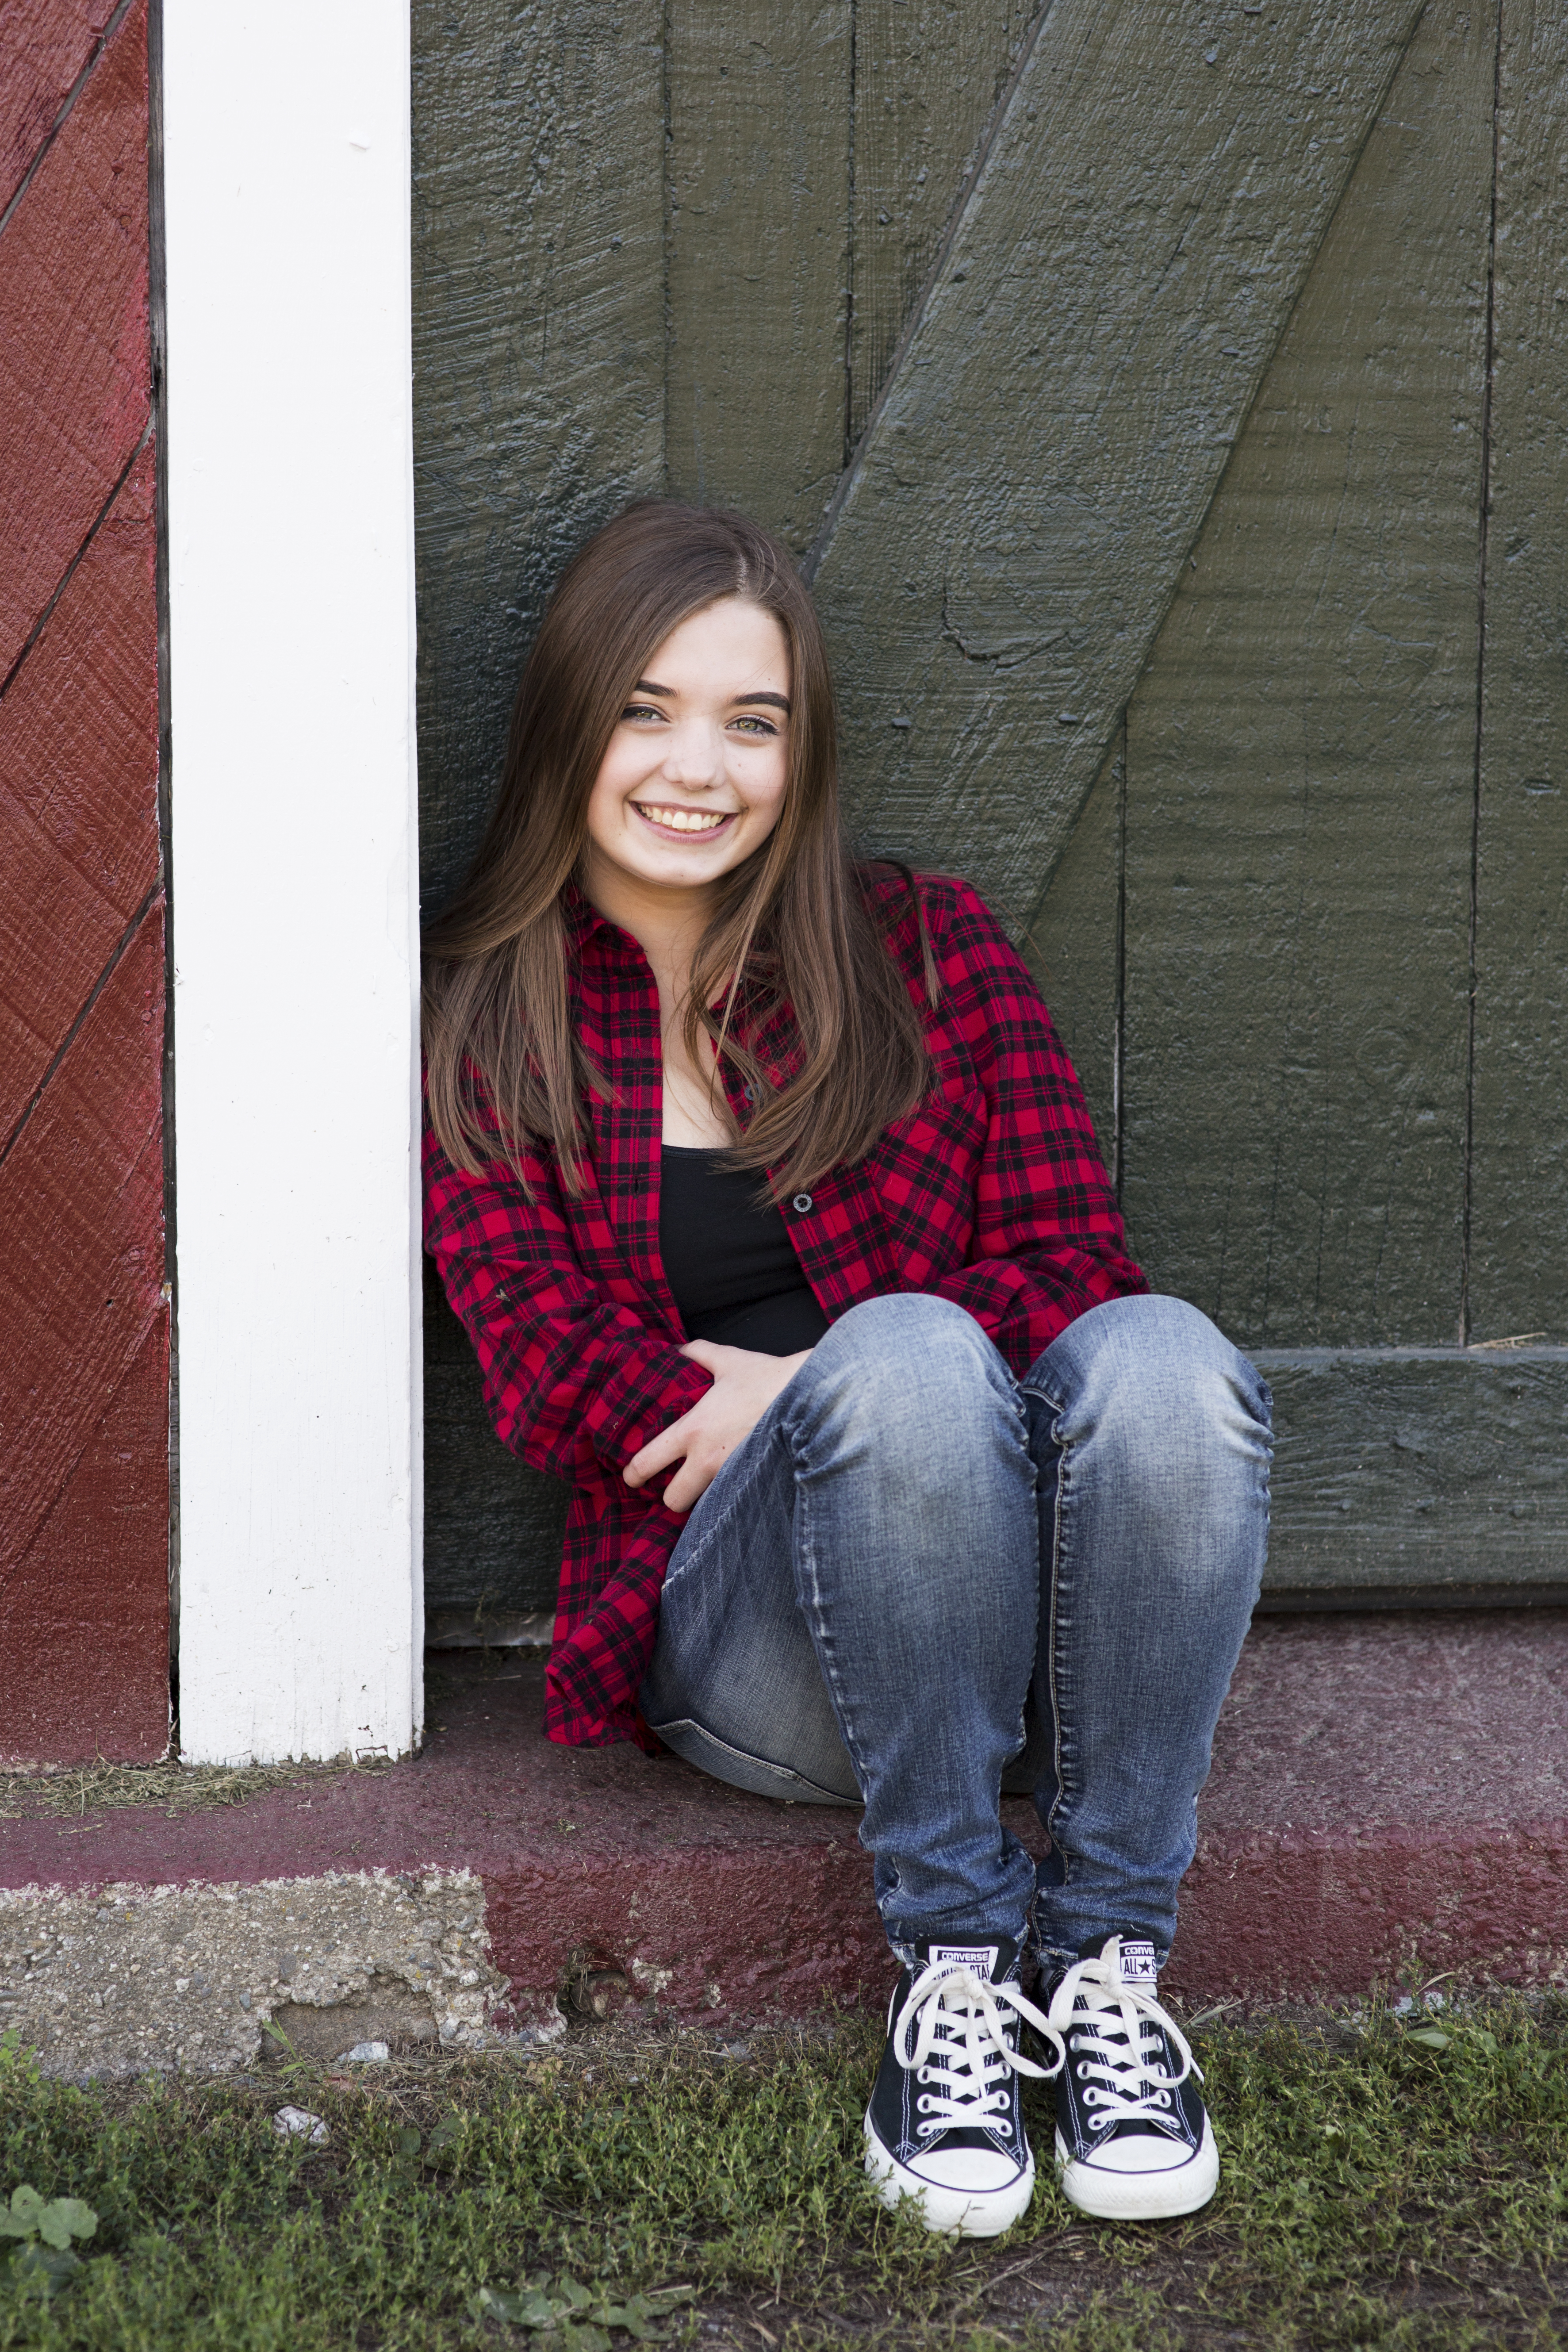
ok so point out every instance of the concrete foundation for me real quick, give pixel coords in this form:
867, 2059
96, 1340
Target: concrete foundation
1390, 1795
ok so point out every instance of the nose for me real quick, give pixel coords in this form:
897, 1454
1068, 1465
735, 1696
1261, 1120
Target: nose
694, 757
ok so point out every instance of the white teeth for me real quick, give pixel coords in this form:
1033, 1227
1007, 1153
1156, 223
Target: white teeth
676, 820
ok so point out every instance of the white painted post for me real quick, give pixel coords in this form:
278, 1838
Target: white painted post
294, 874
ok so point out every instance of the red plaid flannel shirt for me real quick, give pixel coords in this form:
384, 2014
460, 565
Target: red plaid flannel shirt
991, 1194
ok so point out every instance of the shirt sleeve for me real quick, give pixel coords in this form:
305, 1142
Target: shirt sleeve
1048, 1238
572, 1378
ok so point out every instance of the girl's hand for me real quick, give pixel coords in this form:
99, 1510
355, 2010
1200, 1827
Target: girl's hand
745, 1385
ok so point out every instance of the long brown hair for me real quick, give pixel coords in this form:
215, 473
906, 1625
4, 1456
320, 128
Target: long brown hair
794, 926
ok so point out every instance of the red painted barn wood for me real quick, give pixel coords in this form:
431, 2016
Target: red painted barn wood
46, 47
84, 1371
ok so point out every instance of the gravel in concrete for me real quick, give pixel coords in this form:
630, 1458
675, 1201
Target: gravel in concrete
135, 1978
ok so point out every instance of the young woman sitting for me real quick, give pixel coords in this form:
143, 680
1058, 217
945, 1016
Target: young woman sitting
771, 1206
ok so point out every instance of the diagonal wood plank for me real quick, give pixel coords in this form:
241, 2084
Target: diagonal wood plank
44, 46
998, 558
927, 76
81, 1241
78, 789
75, 360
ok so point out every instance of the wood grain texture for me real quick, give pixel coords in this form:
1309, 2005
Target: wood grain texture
78, 790
493, 1527
1421, 1469
758, 259
927, 75
1011, 536
43, 44
1519, 1265
539, 349
1073, 949
75, 382
85, 1609
81, 1241
1300, 777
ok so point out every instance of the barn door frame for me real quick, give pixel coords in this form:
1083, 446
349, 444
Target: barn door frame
293, 835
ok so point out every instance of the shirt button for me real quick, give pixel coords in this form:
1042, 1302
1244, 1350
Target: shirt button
801, 1204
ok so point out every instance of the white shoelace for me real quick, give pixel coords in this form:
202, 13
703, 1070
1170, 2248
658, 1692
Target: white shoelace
1116, 2039
961, 2056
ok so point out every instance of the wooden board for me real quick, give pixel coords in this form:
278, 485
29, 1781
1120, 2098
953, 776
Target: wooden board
1074, 949
1009, 540
539, 349
75, 381
1518, 1262
759, 115
1403, 1471
81, 1241
493, 1527
78, 780
86, 1605
45, 46
928, 75
1301, 772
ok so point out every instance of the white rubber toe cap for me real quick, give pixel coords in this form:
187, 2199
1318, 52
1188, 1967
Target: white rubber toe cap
965, 2192
1140, 2178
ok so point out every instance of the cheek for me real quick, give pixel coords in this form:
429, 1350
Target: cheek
767, 790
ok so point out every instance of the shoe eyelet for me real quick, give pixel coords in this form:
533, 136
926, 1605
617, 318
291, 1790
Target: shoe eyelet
1082, 2074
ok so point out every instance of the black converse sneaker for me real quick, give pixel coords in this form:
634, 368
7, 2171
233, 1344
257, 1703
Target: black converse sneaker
944, 2125
1133, 2142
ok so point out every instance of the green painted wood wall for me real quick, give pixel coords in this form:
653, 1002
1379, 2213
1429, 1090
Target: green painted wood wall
1166, 399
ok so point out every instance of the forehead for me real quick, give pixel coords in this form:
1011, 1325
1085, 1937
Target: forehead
733, 642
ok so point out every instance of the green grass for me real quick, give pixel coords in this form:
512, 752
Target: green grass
1376, 2192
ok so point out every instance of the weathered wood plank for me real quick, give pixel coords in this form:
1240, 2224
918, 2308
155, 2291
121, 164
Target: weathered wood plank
1417, 1469
1007, 544
1518, 1265
1301, 779
539, 349
1073, 947
492, 1527
75, 382
927, 76
78, 790
86, 1607
758, 257
81, 1240
538, 410
43, 44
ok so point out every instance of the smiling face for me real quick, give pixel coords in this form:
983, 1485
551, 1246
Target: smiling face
693, 778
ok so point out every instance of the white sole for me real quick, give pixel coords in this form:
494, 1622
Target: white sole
952, 2212
1141, 2196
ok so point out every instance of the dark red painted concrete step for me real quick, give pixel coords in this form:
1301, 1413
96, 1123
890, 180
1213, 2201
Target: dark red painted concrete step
1388, 1791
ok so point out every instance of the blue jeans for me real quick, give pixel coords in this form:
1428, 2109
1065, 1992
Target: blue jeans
920, 1581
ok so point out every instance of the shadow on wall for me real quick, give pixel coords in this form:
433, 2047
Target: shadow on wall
492, 1527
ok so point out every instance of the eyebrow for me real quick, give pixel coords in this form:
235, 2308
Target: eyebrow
739, 701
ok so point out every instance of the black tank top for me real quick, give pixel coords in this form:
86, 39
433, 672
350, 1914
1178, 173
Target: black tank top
728, 1257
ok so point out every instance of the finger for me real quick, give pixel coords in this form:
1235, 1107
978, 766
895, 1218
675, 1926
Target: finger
708, 1353
659, 1452
691, 1482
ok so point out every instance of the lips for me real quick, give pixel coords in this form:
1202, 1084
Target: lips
684, 823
